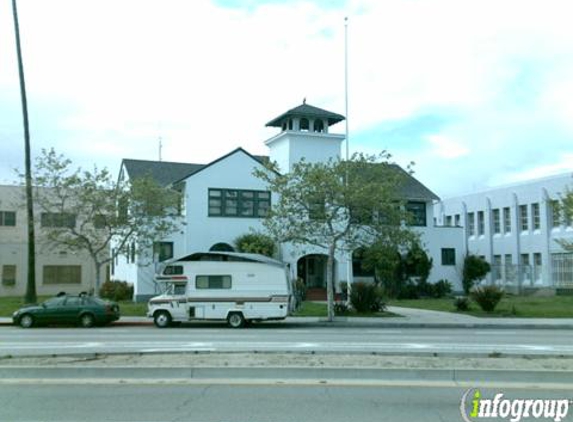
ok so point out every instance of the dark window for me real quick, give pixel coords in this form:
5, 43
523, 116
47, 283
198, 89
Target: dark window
173, 270
7, 218
418, 212
239, 203
163, 250
318, 126
448, 256
221, 247
62, 274
304, 124
58, 220
8, 275
213, 282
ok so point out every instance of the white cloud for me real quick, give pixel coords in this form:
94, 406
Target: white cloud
444, 147
207, 78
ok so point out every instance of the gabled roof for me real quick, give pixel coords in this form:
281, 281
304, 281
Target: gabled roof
163, 172
306, 110
168, 173
261, 159
413, 189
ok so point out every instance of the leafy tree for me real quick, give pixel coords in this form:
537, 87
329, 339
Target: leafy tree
88, 211
565, 207
417, 263
475, 269
337, 206
387, 264
256, 243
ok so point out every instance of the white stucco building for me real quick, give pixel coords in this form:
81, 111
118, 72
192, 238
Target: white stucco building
515, 229
57, 269
223, 200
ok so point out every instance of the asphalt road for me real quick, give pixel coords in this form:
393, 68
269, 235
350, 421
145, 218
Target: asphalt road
244, 402
21, 342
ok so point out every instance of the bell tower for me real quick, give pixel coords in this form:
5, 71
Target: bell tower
304, 134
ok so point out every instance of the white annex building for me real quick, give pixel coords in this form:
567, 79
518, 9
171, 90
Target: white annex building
223, 200
516, 228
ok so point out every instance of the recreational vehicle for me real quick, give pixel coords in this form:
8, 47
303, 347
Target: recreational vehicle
236, 287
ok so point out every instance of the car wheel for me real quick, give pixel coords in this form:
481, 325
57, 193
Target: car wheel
235, 320
87, 320
26, 321
162, 319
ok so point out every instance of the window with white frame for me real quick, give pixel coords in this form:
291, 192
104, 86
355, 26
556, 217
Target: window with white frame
471, 224
481, 223
8, 218
239, 203
496, 221
555, 214
536, 216
523, 218
506, 220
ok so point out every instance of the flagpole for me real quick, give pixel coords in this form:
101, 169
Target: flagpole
349, 257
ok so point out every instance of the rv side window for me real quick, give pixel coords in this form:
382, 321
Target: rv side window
213, 282
173, 270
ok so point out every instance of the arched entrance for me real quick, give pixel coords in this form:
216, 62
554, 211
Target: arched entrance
312, 270
221, 247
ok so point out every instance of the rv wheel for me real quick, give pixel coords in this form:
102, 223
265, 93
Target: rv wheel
235, 320
162, 319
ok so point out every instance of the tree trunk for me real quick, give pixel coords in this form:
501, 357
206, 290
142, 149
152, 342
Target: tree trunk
97, 277
330, 283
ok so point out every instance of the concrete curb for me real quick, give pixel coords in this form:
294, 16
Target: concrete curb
349, 323
279, 373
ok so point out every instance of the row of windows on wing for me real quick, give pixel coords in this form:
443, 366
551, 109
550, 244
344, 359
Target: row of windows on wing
50, 219
51, 274
557, 219
416, 210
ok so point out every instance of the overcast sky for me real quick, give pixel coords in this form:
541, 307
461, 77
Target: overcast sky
476, 93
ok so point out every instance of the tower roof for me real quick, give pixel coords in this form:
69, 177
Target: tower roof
306, 110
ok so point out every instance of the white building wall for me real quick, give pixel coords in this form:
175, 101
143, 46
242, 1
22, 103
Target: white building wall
516, 242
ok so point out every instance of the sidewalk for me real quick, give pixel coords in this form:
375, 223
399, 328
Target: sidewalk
409, 318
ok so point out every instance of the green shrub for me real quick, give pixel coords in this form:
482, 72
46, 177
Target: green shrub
256, 243
475, 269
367, 297
462, 303
487, 297
299, 290
441, 289
116, 290
411, 290
340, 308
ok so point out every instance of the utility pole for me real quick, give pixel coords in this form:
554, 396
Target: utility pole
31, 284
